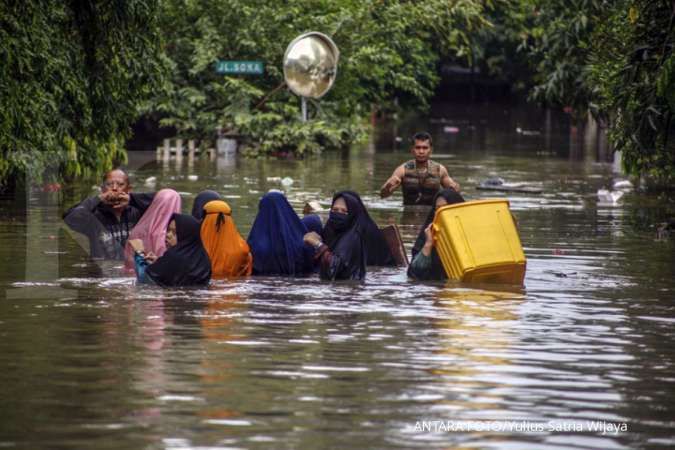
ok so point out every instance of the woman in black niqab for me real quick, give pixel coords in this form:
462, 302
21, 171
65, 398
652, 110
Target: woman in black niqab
378, 252
343, 257
186, 263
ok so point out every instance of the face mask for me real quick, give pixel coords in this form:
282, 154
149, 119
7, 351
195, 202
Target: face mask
338, 221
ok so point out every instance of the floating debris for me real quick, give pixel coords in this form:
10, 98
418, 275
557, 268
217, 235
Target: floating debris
528, 132
498, 184
312, 207
451, 130
623, 185
287, 181
609, 197
150, 181
193, 177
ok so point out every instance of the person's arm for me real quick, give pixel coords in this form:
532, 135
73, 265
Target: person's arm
393, 182
330, 265
81, 216
141, 200
420, 267
140, 266
446, 181
248, 269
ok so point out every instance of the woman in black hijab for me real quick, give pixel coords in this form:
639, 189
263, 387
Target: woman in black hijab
426, 265
201, 200
343, 255
185, 262
378, 252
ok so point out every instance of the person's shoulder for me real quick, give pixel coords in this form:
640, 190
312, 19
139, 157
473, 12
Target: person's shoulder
410, 164
436, 165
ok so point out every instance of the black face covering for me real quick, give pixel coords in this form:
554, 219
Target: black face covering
338, 221
347, 242
201, 200
185, 264
377, 249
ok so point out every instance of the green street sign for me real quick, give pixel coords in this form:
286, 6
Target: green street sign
239, 67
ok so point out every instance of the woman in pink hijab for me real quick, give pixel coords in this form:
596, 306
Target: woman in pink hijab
151, 229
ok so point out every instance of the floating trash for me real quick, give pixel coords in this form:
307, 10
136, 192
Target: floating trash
274, 179
287, 181
150, 181
451, 130
498, 184
193, 177
623, 185
528, 132
312, 207
609, 197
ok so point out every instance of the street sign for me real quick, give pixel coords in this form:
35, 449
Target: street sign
239, 67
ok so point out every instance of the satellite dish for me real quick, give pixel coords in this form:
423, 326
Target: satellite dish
310, 64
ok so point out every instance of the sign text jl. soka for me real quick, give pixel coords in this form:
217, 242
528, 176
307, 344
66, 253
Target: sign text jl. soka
239, 67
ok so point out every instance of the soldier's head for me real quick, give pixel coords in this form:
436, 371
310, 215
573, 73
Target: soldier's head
421, 147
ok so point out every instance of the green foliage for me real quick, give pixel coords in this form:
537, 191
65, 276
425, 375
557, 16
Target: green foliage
71, 77
614, 58
389, 49
500, 48
559, 49
632, 64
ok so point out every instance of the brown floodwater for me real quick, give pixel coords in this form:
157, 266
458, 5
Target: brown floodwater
89, 360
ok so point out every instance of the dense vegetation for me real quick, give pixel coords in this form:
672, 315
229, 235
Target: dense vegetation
76, 74
388, 49
614, 58
71, 77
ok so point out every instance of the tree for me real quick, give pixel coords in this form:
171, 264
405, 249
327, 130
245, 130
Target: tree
633, 66
388, 49
72, 76
615, 59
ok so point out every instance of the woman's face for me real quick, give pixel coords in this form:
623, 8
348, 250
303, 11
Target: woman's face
340, 206
440, 201
171, 240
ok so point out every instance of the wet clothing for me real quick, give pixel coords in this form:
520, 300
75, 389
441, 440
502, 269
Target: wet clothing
201, 200
141, 265
276, 239
313, 223
185, 264
343, 255
106, 233
377, 250
430, 267
420, 187
422, 267
229, 253
151, 229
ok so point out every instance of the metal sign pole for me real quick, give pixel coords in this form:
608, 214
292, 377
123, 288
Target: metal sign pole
303, 105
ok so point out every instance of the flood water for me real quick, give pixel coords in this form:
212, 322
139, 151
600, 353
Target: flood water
89, 360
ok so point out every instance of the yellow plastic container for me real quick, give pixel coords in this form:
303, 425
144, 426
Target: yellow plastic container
478, 242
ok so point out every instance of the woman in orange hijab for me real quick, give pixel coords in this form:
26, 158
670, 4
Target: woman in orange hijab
229, 253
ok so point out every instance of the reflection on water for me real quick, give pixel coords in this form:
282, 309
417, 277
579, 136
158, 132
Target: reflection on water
90, 360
